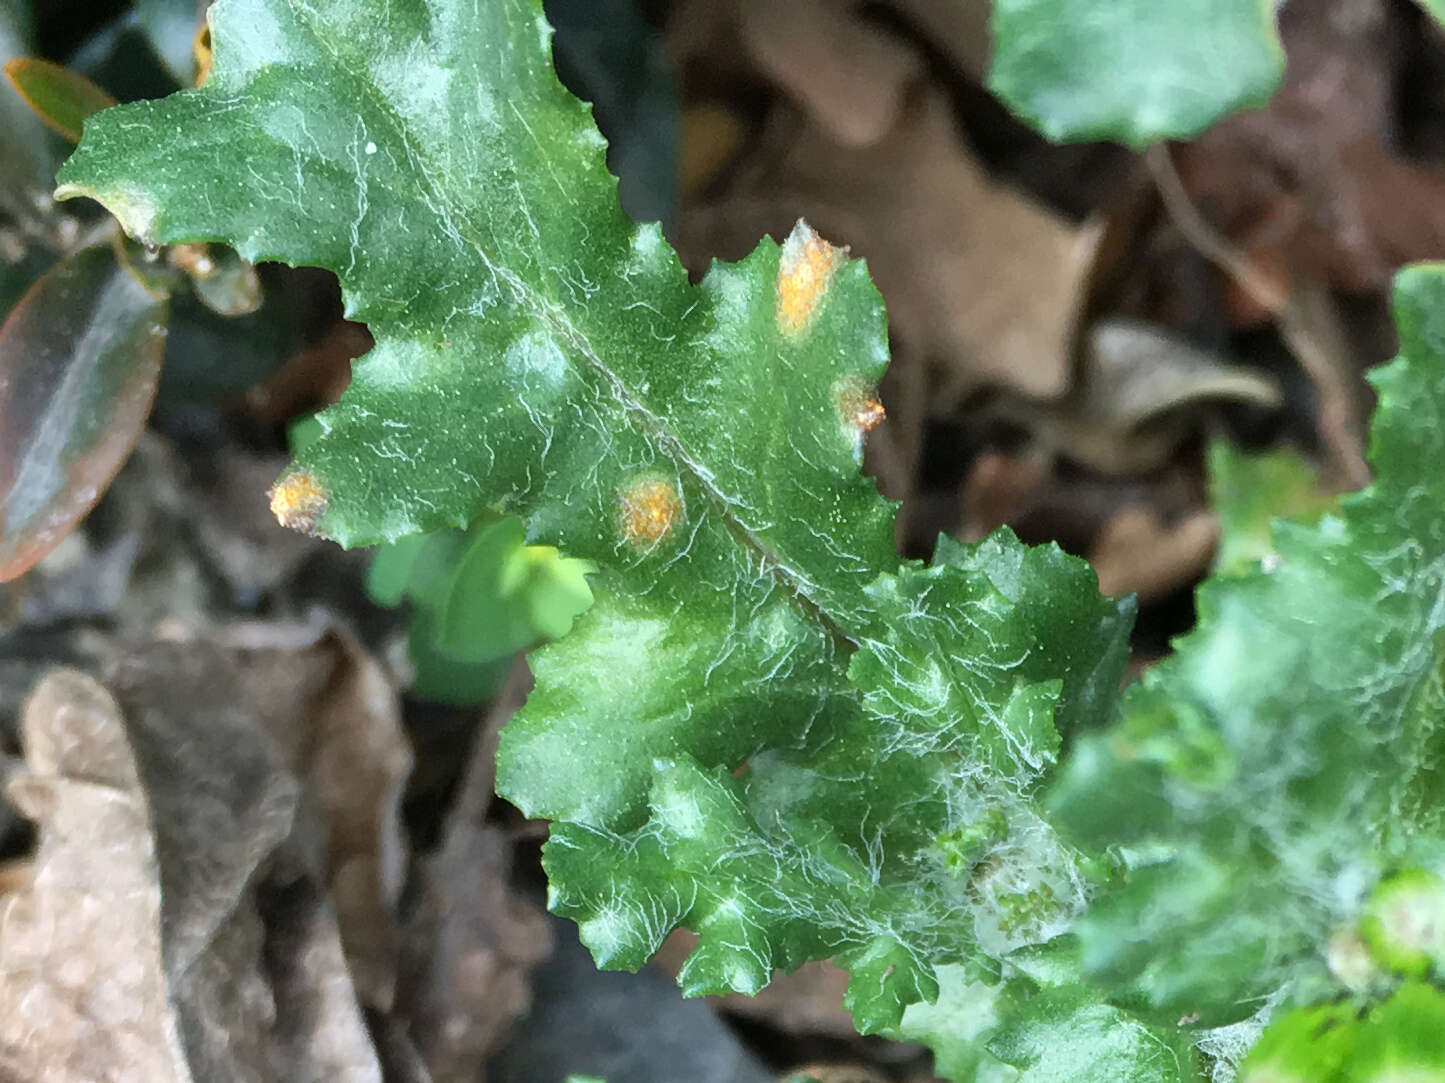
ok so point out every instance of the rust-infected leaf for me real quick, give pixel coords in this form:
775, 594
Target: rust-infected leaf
804, 274
79, 359
298, 500
651, 510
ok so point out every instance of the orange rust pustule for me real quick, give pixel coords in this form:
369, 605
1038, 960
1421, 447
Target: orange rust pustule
860, 408
651, 510
201, 49
805, 272
298, 500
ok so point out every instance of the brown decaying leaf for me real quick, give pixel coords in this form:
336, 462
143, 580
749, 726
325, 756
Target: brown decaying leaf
1317, 174
216, 889
837, 1073
170, 932
1139, 394
82, 985
1137, 553
847, 74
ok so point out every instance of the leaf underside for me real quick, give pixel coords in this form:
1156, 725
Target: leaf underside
766, 728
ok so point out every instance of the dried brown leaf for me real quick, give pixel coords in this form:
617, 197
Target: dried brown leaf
848, 74
177, 927
1137, 553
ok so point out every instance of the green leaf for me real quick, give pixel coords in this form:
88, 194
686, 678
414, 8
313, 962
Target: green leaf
763, 728
62, 98
1399, 1041
1404, 1038
1308, 1045
1265, 777
766, 727
957, 1024
1132, 71
1404, 923
506, 595
990, 1032
79, 359
1249, 492
1066, 1033
480, 595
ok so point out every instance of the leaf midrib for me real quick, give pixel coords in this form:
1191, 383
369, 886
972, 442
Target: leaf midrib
548, 311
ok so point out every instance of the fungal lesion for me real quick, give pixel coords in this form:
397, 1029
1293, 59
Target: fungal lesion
859, 410
650, 510
298, 501
805, 273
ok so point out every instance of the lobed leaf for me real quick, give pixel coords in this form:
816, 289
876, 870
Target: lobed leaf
1264, 778
764, 728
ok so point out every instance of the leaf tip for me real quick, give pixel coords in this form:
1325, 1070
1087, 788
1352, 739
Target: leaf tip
298, 501
805, 272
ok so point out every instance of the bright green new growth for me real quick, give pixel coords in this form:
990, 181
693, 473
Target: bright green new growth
765, 728
1250, 492
478, 596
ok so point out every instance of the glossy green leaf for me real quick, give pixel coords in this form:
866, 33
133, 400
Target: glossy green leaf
766, 727
79, 358
480, 596
754, 649
1132, 71
1264, 777
62, 98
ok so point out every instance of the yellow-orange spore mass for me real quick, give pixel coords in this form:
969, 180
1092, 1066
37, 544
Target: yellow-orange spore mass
298, 501
804, 274
651, 510
860, 408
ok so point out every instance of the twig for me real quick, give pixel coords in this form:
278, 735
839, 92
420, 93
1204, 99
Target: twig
474, 794
1307, 323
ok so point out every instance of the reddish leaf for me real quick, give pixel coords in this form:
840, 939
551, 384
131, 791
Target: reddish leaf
79, 358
